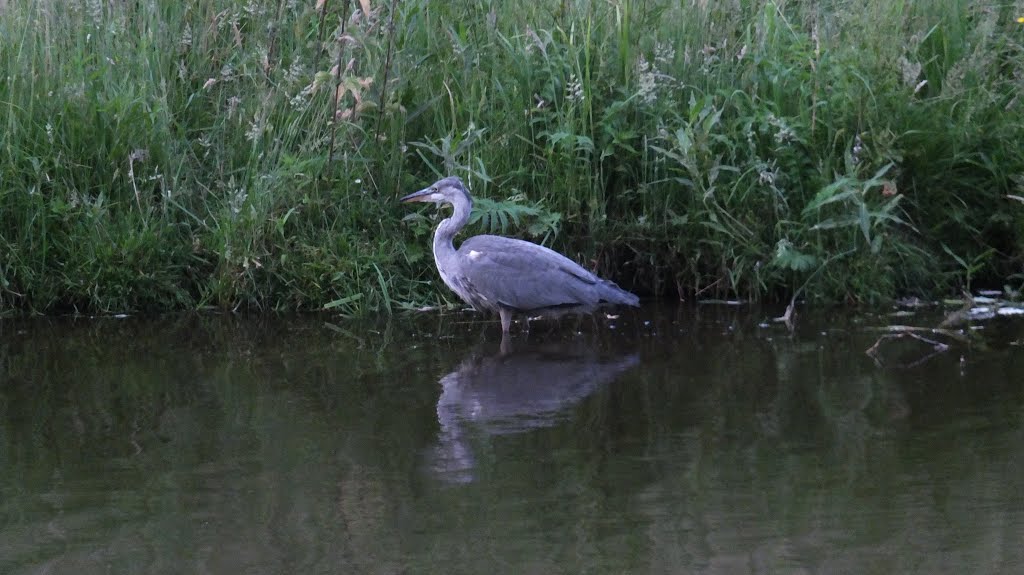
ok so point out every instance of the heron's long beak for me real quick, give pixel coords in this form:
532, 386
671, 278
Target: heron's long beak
420, 196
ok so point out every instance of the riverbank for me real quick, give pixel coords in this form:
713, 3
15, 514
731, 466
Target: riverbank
169, 155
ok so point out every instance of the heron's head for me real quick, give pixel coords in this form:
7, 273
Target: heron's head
450, 190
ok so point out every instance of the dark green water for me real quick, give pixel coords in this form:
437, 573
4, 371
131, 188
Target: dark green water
679, 441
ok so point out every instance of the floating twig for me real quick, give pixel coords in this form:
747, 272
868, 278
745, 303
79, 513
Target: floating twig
937, 347
913, 329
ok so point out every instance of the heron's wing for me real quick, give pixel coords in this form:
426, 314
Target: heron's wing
525, 276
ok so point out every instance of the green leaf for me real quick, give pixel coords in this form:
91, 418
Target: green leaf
876, 244
557, 137
830, 194
881, 172
584, 144
683, 140
958, 259
832, 223
865, 222
342, 301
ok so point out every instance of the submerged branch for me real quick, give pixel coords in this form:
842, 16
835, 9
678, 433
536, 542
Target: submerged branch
951, 328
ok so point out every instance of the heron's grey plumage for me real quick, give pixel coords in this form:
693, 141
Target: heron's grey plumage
506, 275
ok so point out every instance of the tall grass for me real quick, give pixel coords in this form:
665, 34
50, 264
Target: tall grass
159, 154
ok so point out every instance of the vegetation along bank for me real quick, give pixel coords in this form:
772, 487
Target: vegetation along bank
161, 154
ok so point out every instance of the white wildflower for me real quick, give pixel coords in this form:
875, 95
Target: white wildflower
909, 70
537, 42
858, 147
256, 129
233, 103
94, 8
784, 133
647, 82
954, 80
237, 200
118, 25
231, 22
664, 53
296, 71
186, 37
253, 8
574, 89
74, 90
301, 100
138, 155
709, 56
264, 54
650, 78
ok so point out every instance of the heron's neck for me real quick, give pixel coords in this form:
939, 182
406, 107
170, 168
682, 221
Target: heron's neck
444, 250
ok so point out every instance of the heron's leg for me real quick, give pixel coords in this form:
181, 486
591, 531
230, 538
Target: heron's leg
506, 345
506, 320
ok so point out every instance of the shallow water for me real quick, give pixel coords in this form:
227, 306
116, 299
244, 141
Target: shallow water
669, 440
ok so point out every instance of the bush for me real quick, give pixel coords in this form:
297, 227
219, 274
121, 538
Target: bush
160, 154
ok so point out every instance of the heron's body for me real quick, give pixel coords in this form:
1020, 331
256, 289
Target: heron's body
506, 275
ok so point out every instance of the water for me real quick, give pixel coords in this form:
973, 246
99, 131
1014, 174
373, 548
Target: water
690, 440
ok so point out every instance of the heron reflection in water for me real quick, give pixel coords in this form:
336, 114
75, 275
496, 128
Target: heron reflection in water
506, 275
514, 391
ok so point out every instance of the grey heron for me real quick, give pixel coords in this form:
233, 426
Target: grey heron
507, 275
